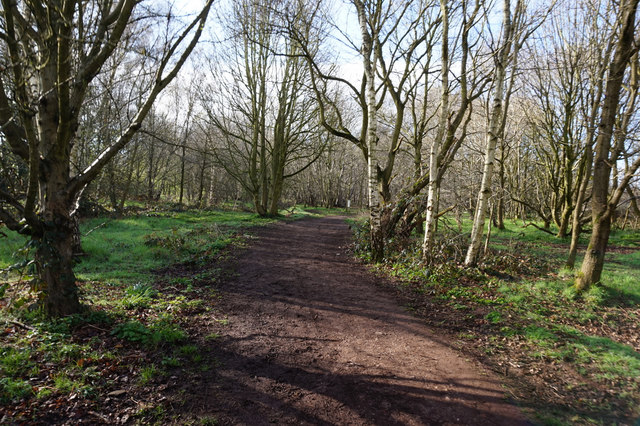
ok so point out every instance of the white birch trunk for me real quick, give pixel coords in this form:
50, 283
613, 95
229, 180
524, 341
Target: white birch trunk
375, 205
495, 122
433, 191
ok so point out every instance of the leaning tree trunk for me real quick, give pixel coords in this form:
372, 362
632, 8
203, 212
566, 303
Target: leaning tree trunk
576, 226
602, 209
493, 134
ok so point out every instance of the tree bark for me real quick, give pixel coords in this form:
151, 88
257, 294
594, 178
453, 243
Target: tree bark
602, 208
373, 169
433, 190
495, 122
576, 226
54, 247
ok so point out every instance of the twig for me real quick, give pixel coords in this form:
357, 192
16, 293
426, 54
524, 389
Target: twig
21, 325
97, 328
538, 227
99, 226
443, 212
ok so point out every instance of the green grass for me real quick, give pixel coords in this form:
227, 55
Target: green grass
149, 373
126, 251
14, 389
9, 245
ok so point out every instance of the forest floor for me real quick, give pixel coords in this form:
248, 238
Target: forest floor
310, 337
284, 325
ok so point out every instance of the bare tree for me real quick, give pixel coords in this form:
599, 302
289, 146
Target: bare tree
448, 138
55, 51
395, 38
260, 116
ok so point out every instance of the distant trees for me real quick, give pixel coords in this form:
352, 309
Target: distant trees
52, 53
261, 119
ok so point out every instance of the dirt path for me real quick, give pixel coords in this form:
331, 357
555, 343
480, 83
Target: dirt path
311, 339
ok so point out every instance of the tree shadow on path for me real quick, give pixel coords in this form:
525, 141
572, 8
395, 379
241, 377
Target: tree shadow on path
312, 339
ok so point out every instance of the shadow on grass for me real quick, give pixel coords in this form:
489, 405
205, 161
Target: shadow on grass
617, 297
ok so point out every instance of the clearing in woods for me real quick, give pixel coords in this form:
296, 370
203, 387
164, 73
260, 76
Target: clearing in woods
312, 339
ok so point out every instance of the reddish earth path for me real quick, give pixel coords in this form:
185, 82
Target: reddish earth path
311, 339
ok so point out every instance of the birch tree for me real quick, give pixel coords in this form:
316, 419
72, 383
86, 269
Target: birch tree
395, 38
55, 51
515, 30
471, 84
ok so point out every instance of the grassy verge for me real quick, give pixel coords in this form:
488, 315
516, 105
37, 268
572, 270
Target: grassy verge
572, 359
149, 282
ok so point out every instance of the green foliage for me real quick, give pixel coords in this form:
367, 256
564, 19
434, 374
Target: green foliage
148, 373
63, 383
171, 362
66, 324
75, 381
142, 244
14, 389
539, 335
188, 350
139, 295
159, 333
361, 238
133, 331
494, 317
14, 362
10, 247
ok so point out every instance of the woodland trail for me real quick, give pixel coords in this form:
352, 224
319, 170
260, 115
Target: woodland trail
312, 339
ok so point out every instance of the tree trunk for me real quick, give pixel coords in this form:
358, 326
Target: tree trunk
201, 181
495, 122
633, 202
54, 247
76, 248
54, 260
576, 226
276, 193
434, 154
375, 204
500, 210
257, 202
182, 161
565, 218
593, 262
602, 210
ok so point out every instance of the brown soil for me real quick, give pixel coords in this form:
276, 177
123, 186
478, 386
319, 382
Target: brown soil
312, 338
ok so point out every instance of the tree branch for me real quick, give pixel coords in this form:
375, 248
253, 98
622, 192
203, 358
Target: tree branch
82, 179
